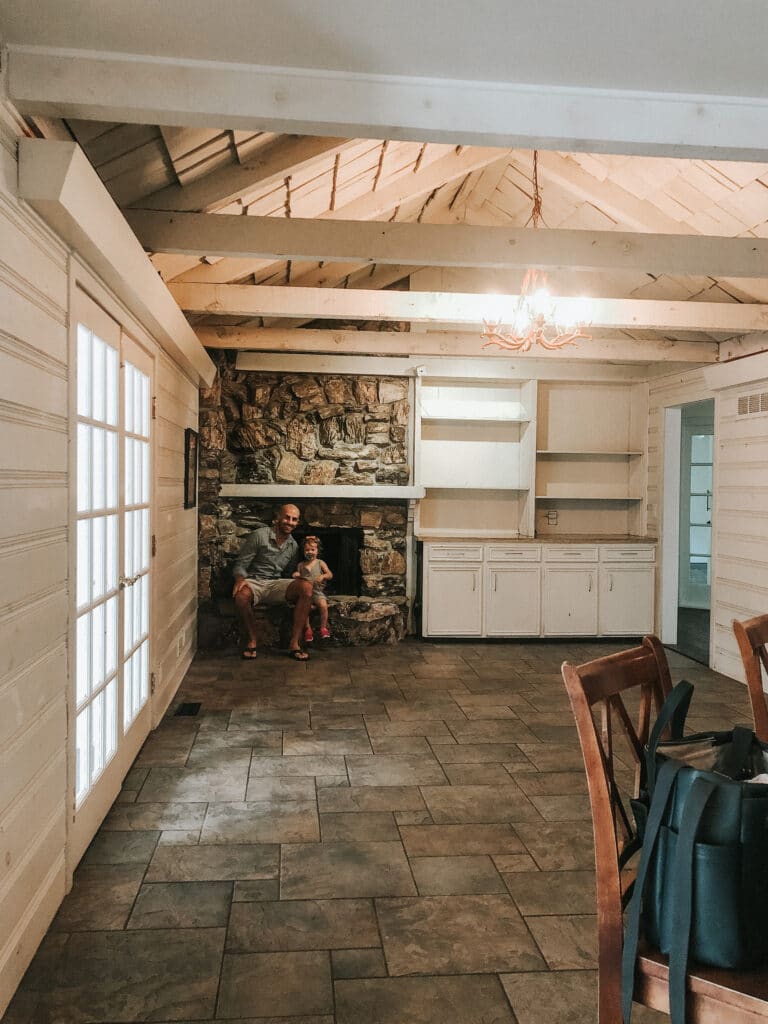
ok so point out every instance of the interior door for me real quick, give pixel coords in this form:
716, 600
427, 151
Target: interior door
696, 458
112, 566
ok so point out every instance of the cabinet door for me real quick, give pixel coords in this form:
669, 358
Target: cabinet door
626, 600
570, 600
453, 601
512, 600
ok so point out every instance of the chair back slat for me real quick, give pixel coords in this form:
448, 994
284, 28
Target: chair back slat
600, 692
752, 637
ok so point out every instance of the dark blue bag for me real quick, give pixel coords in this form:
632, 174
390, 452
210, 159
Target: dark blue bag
701, 890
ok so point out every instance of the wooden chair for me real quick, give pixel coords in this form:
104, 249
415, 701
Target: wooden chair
752, 636
598, 691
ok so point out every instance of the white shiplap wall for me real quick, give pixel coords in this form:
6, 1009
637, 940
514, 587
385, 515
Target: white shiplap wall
740, 541
33, 575
741, 522
37, 275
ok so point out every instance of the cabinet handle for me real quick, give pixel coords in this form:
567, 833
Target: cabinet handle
610, 581
495, 577
474, 581
589, 589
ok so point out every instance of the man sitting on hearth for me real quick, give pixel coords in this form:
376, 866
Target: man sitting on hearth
267, 556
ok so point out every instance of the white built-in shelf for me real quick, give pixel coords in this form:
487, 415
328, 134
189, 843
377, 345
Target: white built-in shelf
441, 533
461, 417
588, 497
317, 491
585, 454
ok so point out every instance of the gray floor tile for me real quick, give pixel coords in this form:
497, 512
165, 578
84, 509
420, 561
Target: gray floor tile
479, 804
302, 924
458, 840
395, 770
430, 935
344, 870
371, 798
261, 822
468, 1000
213, 863
164, 975
101, 898
275, 985
553, 892
442, 876
182, 905
358, 826
568, 942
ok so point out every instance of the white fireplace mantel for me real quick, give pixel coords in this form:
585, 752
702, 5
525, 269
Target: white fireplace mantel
317, 491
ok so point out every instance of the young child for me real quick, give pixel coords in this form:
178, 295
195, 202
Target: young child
314, 569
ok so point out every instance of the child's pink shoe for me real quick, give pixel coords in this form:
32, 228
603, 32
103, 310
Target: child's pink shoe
325, 634
309, 636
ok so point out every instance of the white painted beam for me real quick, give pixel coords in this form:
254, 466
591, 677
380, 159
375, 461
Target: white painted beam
452, 307
444, 245
56, 179
444, 343
117, 87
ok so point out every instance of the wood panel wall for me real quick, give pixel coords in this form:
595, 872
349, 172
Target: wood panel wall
740, 537
36, 275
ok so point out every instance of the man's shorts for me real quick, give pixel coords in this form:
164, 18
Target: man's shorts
269, 591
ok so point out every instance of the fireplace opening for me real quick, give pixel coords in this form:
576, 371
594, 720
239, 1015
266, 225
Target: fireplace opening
340, 549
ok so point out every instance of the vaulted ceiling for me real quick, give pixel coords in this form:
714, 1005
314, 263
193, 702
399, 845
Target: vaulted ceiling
649, 231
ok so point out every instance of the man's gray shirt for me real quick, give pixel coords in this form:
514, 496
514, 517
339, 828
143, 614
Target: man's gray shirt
261, 559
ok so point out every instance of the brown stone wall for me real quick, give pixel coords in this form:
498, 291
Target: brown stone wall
267, 428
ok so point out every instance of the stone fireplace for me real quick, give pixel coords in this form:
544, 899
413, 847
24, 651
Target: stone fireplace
271, 432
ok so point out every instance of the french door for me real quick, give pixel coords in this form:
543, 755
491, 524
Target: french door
111, 656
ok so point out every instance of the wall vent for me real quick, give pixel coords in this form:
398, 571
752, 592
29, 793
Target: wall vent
749, 404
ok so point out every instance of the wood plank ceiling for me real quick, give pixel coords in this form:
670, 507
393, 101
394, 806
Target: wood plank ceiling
238, 173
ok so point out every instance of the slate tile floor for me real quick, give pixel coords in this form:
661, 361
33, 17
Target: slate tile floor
379, 836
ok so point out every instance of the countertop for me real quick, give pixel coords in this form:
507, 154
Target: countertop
559, 538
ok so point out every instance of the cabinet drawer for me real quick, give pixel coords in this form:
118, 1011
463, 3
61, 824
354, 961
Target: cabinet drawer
455, 552
627, 553
512, 553
570, 553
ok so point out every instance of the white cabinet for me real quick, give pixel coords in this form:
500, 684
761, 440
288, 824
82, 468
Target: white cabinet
453, 595
512, 600
570, 600
481, 590
610, 593
626, 600
504, 590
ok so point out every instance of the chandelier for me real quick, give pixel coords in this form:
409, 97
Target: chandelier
534, 319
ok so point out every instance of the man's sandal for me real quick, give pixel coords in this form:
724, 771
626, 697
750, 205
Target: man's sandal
298, 655
249, 653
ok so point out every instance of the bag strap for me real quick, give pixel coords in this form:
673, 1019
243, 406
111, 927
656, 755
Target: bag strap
661, 796
682, 904
672, 714
737, 757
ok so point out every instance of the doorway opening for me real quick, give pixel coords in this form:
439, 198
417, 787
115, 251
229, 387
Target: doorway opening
688, 517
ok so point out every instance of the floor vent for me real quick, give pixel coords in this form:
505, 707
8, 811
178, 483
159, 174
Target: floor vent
753, 403
188, 709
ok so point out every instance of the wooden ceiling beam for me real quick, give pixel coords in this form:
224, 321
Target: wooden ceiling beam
432, 173
455, 343
143, 89
441, 245
263, 170
460, 308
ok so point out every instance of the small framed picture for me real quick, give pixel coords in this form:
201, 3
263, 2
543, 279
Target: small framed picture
190, 468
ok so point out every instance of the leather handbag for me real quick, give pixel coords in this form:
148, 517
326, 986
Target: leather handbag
701, 889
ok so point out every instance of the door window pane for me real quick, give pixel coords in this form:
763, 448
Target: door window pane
701, 479
702, 446
699, 571
701, 540
701, 509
